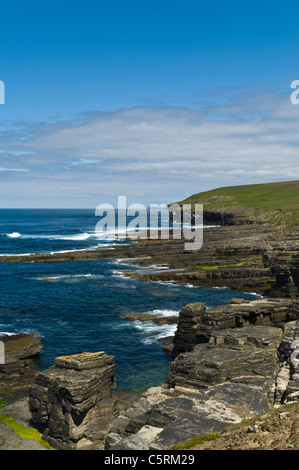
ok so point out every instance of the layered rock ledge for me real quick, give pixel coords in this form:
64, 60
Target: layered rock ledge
197, 324
17, 368
71, 402
235, 362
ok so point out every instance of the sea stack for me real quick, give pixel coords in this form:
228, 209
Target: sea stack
71, 402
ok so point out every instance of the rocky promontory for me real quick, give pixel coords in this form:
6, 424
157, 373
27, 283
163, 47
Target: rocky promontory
197, 324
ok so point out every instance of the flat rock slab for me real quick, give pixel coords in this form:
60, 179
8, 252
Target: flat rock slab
179, 418
84, 361
21, 346
139, 441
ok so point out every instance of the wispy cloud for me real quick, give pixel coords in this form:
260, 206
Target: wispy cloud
154, 154
14, 169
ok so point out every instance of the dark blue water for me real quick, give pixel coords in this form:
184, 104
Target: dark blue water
81, 306
46, 231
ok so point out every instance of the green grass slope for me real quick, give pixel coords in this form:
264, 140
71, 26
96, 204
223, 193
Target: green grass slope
276, 203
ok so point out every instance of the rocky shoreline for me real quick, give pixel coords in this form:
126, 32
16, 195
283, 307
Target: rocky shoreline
249, 258
229, 363
235, 362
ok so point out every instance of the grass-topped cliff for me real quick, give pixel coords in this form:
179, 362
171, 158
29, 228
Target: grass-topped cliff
276, 203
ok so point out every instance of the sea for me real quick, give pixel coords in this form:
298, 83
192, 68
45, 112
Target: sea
80, 306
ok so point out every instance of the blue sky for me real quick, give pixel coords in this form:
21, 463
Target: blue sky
155, 100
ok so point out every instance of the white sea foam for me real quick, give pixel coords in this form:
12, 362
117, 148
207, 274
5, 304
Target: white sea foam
100, 245
80, 236
157, 267
256, 295
83, 249
72, 237
17, 254
167, 283
13, 235
163, 313
119, 274
152, 332
64, 277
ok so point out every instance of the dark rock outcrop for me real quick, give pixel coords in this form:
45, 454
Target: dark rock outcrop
72, 403
242, 354
285, 268
238, 362
232, 362
17, 369
190, 320
286, 385
147, 317
196, 324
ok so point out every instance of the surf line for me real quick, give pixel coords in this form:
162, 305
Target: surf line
147, 222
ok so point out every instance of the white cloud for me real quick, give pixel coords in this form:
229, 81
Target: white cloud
154, 154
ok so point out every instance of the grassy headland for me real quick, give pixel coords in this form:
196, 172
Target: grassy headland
275, 203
